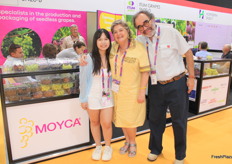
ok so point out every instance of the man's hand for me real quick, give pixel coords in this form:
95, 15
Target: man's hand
190, 84
190, 66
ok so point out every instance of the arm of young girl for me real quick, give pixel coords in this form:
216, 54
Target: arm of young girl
83, 60
85, 82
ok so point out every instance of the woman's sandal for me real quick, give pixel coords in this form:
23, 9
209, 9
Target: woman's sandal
124, 149
133, 152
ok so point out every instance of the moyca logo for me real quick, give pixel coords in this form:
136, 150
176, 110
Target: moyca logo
28, 129
25, 131
130, 6
52, 126
201, 14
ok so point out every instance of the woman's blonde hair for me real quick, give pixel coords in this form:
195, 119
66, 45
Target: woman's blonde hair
123, 24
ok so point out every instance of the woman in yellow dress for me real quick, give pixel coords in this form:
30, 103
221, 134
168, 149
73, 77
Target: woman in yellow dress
130, 72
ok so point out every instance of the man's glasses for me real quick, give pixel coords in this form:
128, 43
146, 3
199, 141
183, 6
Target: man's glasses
146, 23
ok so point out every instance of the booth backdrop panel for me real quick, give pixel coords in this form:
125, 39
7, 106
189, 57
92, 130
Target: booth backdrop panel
215, 34
105, 20
48, 126
44, 22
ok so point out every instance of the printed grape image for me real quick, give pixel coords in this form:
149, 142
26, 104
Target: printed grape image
25, 37
166, 21
181, 26
61, 33
190, 30
186, 28
58, 37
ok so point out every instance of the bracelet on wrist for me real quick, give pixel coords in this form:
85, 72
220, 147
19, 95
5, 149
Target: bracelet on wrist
143, 87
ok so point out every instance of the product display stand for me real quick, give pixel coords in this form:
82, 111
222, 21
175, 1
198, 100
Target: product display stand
212, 85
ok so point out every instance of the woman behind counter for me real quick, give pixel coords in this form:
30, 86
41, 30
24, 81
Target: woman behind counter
130, 71
95, 93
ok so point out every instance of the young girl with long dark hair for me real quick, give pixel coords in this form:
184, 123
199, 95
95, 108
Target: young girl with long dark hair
96, 95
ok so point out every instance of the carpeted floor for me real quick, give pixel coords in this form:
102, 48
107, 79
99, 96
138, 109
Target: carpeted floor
208, 136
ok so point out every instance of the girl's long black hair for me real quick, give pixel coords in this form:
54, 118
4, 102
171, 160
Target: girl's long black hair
95, 51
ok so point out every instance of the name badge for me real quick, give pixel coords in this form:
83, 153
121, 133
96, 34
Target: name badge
153, 79
115, 87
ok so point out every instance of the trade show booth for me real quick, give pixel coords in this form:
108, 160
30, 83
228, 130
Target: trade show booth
41, 112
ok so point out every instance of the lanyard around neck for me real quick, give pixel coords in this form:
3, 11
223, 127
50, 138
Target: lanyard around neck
103, 81
122, 61
156, 47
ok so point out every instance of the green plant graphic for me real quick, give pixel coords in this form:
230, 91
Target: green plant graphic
128, 19
181, 26
61, 33
25, 37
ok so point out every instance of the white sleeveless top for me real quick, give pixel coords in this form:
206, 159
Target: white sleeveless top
95, 95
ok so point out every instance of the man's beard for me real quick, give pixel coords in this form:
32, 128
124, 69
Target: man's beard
151, 33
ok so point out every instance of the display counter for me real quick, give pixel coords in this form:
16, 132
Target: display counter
41, 113
212, 85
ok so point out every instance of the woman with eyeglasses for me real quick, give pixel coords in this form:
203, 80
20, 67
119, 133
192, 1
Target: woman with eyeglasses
130, 71
168, 87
